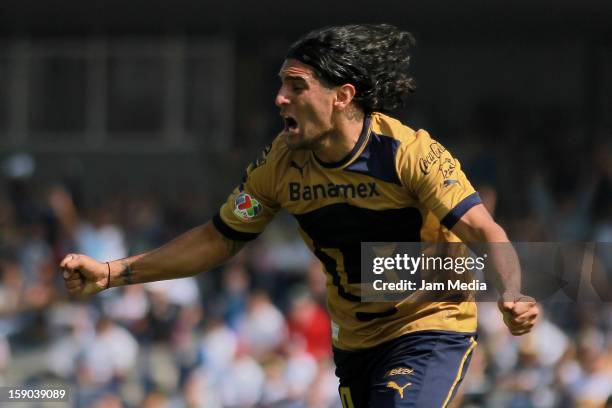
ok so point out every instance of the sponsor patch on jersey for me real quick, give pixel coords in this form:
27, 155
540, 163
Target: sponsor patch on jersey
246, 207
317, 191
431, 157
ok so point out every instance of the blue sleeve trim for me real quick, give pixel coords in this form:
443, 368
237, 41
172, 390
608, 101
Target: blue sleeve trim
231, 233
456, 213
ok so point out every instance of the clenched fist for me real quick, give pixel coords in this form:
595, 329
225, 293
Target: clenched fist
520, 313
83, 275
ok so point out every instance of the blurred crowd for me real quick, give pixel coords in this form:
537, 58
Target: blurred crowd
255, 332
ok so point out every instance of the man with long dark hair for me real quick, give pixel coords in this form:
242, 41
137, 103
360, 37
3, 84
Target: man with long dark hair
350, 173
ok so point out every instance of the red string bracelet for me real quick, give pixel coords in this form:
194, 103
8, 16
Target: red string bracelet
108, 283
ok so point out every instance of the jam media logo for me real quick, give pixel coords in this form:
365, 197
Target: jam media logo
246, 207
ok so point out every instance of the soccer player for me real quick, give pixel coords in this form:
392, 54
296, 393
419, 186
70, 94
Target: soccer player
350, 174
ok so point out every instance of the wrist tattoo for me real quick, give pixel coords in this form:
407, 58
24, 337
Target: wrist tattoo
127, 274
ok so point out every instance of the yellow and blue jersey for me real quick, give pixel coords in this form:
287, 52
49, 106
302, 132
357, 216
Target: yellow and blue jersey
397, 184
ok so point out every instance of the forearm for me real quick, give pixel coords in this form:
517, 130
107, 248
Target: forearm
503, 269
484, 236
478, 230
197, 250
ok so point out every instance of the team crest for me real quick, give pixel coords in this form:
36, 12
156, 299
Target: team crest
447, 167
246, 207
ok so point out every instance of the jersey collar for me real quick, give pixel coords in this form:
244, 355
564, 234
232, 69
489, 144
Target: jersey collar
355, 151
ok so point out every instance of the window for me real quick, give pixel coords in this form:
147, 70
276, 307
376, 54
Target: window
135, 97
57, 96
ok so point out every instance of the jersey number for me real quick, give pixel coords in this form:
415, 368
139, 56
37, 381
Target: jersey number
330, 262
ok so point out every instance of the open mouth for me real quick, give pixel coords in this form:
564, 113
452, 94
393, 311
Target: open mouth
291, 124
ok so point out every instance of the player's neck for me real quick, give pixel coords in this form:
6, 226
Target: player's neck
342, 141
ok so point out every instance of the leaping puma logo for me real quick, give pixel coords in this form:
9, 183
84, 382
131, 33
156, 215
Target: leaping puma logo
393, 384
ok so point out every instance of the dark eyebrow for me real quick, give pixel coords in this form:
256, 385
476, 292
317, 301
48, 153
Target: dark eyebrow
292, 77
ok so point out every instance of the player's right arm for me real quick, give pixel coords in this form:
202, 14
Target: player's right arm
245, 214
197, 250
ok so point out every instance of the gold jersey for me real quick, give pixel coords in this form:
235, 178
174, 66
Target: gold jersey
396, 185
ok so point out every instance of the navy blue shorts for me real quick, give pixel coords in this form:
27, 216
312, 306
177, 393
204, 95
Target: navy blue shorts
421, 369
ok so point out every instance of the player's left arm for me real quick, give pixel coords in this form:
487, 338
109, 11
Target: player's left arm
435, 177
477, 225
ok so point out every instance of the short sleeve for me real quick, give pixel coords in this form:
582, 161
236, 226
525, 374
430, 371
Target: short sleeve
435, 177
252, 204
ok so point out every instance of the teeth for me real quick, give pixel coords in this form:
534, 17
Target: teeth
290, 123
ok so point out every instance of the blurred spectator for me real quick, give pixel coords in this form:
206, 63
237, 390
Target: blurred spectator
593, 384
156, 400
309, 324
246, 375
5, 359
300, 371
108, 401
219, 346
109, 356
65, 351
316, 279
276, 387
235, 293
178, 292
198, 392
324, 389
263, 327
130, 308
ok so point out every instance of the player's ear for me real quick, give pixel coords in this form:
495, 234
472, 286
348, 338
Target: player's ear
344, 96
